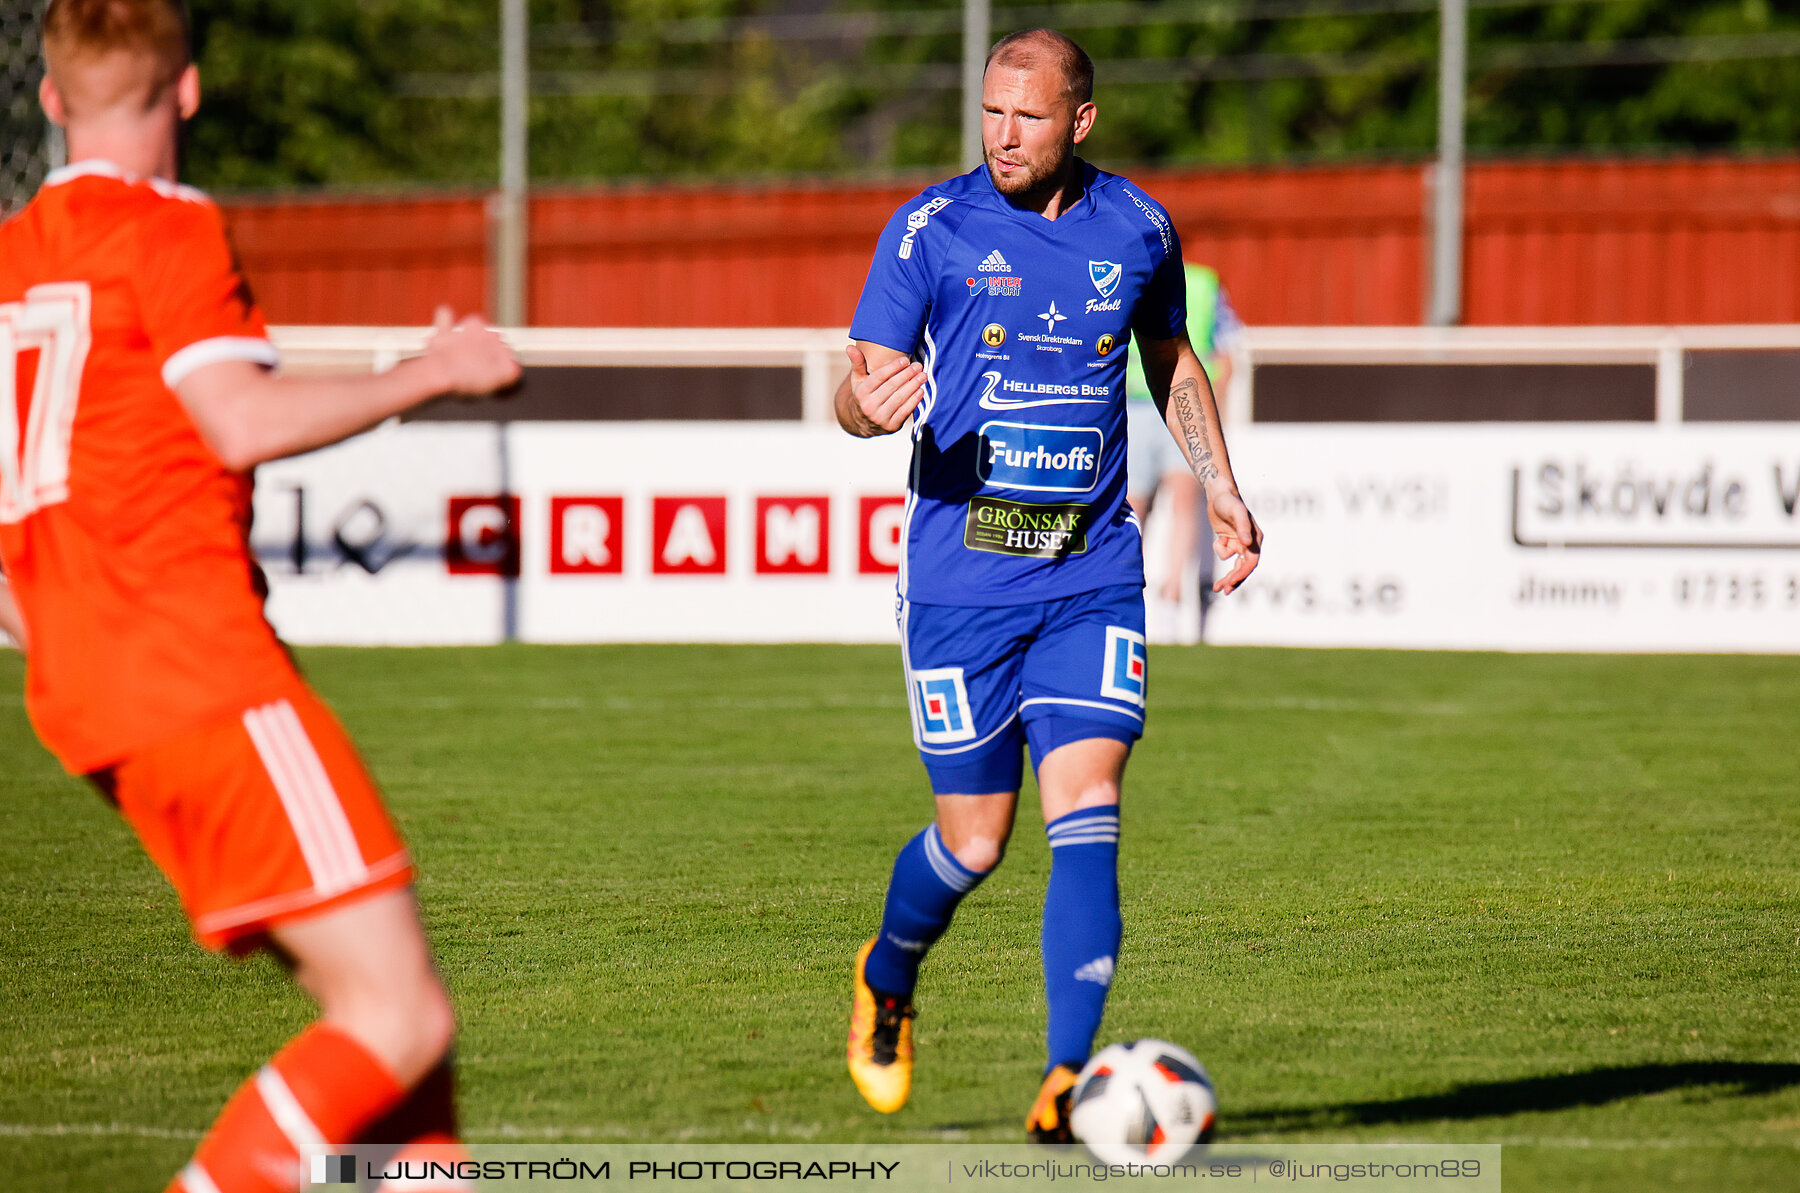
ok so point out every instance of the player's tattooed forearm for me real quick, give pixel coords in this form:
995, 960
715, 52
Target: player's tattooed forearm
1186, 395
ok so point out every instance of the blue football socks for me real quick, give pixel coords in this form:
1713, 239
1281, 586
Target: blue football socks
922, 895
1082, 929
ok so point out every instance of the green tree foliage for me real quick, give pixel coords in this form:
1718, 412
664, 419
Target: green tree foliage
306, 93
1747, 102
388, 91
1540, 81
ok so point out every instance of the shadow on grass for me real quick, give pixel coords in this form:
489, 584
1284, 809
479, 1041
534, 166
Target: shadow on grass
1596, 1087
970, 1126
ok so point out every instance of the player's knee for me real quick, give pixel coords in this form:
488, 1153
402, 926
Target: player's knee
425, 1001
979, 854
1097, 793
436, 1023
419, 1025
406, 1020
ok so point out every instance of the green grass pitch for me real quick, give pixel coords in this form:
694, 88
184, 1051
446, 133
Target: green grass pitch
1544, 901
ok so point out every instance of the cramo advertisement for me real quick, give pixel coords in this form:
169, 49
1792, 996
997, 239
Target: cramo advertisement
1517, 537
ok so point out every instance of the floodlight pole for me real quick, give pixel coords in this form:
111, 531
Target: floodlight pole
512, 243
1447, 188
977, 29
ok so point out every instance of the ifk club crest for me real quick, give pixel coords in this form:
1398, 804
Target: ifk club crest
1105, 275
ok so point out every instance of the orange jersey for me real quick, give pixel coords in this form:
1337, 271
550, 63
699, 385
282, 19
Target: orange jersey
124, 537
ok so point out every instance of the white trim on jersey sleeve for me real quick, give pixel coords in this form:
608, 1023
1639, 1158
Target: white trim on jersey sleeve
198, 355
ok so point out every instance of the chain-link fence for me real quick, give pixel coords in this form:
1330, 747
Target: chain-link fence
25, 141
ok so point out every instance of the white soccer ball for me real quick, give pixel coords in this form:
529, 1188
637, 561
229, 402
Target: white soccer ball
1148, 1101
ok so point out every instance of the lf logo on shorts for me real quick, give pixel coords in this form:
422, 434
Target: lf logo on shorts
943, 703
1126, 667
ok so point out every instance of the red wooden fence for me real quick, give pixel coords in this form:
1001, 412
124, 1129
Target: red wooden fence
1686, 241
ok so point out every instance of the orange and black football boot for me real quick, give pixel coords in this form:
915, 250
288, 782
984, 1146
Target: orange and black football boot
1048, 1121
881, 1047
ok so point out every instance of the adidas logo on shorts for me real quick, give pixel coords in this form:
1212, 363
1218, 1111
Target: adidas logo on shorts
995, 263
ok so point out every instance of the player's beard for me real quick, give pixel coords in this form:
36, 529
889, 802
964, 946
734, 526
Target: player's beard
1039, 177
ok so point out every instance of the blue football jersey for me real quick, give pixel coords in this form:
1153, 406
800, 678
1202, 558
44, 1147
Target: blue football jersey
1017, 491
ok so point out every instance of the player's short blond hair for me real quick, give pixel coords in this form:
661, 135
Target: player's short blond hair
101, 53
1030, 49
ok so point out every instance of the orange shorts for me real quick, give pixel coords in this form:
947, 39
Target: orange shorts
260, 818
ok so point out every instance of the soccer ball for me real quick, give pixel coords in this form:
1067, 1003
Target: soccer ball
1148, 1101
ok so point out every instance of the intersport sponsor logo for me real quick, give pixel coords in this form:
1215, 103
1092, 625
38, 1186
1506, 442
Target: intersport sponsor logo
997, 287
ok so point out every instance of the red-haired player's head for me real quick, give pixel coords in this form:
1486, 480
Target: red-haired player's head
119, 80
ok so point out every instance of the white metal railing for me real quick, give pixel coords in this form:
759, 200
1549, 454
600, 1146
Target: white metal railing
819, 352
1659, 346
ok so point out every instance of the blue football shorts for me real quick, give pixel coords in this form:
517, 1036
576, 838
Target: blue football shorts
983, 683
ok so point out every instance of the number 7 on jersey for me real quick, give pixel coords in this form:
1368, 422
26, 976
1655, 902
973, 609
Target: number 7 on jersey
53, 321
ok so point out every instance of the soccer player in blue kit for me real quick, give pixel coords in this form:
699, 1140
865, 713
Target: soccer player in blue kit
996, 317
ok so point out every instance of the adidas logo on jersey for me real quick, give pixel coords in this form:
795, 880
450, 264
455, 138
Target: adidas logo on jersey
995, 263
1099, 970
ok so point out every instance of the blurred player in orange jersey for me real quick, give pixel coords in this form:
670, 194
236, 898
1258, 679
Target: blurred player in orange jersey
136, 392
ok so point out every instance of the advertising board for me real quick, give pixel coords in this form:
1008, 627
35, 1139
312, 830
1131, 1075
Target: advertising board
1629, 537
1522, 537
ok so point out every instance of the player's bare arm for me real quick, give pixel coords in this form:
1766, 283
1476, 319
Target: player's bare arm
248, 415
1182, 392
10, 621
881, 391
